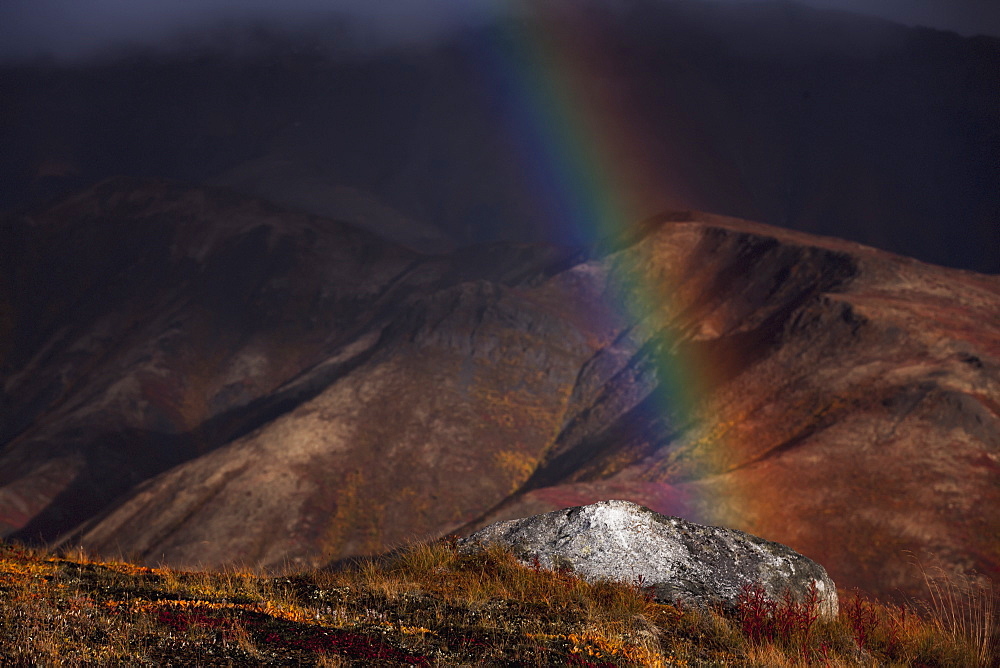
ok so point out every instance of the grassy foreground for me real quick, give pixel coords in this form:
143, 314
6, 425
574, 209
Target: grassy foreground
430, 606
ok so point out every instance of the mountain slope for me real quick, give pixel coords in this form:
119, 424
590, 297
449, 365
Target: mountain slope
855, 416
213, 381
151, 323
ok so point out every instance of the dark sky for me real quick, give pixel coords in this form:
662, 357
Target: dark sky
68, 28
968, 17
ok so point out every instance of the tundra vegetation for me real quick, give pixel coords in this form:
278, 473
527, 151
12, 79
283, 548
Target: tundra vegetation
429, 605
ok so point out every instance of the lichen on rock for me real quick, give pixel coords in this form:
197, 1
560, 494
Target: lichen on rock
679, 561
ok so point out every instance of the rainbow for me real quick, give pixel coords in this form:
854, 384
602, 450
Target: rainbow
592, 174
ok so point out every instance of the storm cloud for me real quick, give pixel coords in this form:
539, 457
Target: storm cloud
966, 17
80, 28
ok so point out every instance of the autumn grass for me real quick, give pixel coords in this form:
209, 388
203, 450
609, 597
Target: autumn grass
431, 605
964, 608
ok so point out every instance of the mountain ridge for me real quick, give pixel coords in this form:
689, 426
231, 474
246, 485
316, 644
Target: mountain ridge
279, 390
825, 122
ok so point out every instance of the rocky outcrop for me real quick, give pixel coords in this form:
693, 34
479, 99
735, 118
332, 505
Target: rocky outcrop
679, 560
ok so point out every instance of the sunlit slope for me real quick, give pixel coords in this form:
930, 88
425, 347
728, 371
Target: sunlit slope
835, 398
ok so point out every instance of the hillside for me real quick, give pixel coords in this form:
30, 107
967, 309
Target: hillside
431, 606
199, 379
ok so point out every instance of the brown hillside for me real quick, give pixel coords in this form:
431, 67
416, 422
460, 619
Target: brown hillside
195, 378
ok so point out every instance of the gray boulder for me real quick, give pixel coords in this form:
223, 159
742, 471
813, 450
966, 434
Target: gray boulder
681, 561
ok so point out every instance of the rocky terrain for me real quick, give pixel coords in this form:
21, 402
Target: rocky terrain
674, 561
197, 378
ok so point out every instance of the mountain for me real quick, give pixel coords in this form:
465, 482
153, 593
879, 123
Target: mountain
148, 322
819, 121
199, 378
